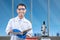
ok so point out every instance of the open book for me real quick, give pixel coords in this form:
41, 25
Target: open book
20, 34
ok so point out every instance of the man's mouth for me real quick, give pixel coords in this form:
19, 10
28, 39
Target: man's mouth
21, 12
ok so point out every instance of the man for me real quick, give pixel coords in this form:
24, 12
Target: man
20, 23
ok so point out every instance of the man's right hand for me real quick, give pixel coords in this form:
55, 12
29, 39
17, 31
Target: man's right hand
10, 32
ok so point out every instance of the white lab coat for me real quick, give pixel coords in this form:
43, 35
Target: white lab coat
21, 24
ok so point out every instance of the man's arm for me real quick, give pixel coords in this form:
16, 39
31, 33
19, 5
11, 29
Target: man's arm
30, 31
9, 32
26, 30
9, 27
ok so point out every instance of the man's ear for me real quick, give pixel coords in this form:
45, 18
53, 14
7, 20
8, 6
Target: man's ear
25, 10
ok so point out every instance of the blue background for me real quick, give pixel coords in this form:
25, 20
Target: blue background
39, 14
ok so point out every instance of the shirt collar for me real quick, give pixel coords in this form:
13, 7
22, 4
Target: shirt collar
20, 19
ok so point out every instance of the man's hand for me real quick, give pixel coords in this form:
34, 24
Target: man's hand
26, 30
27, 36
10, 32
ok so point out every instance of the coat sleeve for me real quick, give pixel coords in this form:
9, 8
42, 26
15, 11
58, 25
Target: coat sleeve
30, 32
9, 26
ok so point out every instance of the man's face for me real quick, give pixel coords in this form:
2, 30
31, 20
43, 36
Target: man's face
21, 11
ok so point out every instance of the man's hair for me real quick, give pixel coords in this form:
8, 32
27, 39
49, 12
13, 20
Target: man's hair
21, 4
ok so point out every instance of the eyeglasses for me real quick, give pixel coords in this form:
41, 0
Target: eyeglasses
21, 9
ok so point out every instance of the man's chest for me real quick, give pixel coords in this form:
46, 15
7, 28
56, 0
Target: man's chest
22, 25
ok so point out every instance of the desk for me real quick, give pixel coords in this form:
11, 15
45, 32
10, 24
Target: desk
32, 38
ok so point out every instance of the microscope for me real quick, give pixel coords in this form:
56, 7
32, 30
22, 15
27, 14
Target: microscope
44, 32
44, 29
